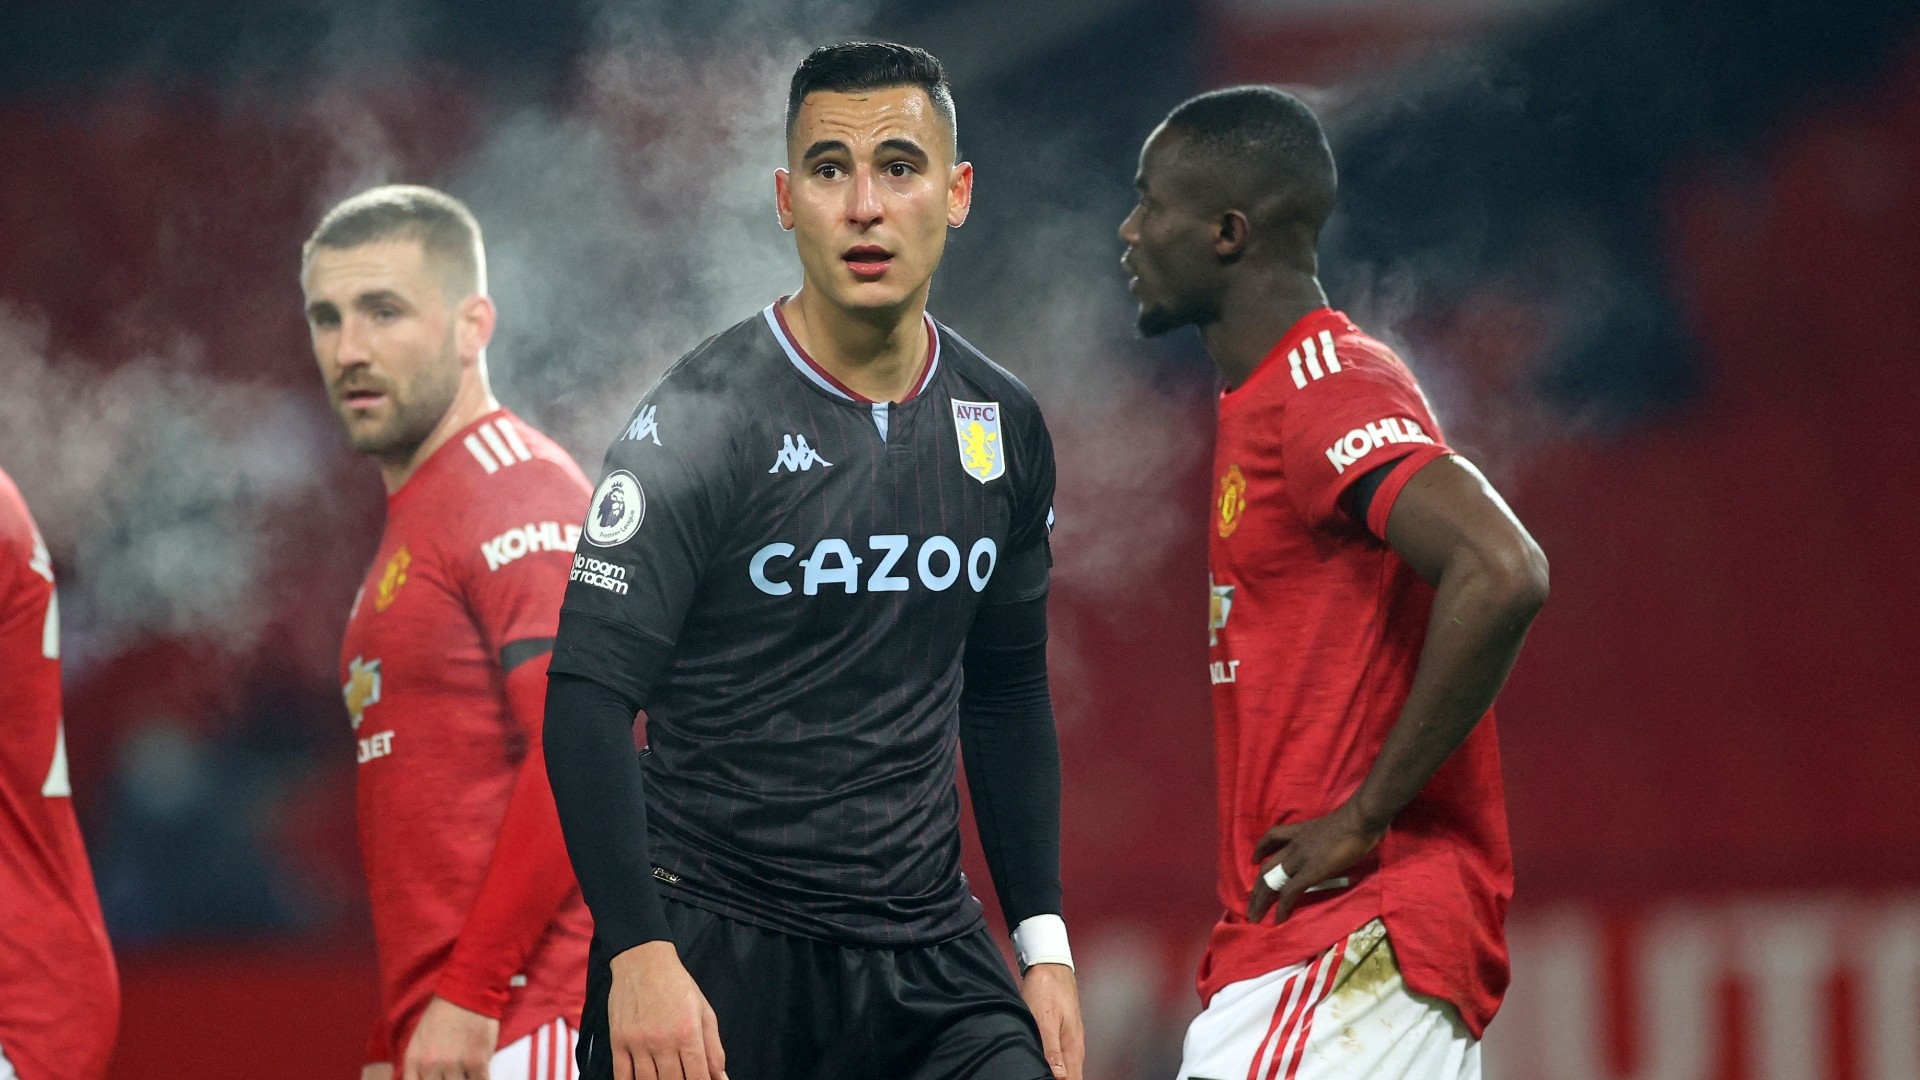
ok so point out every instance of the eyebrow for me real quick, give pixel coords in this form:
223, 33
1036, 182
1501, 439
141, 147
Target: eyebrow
823, 147
897, 144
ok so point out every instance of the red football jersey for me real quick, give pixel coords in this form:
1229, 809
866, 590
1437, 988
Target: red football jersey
475, 557
1316, 627
59, 992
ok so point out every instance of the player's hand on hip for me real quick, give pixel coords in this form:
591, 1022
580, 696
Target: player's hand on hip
1307, 853
450, 1043
659, 1025
1054, 999
379, 1070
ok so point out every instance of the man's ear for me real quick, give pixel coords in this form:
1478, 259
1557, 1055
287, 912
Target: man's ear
1231, 235
960, 194
475, 327
783, 198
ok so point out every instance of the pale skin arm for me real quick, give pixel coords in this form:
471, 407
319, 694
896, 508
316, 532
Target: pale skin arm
379, 1070
450, 1043
1490, 580
1054, 999
660, 1026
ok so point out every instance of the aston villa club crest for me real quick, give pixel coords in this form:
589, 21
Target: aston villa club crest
618, 506
983, 454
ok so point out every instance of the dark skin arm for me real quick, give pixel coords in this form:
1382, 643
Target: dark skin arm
1490, 580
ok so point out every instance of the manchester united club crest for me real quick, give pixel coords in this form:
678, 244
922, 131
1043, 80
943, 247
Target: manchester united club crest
618, 506
1233, 500
982, 452
361, 689
391, 579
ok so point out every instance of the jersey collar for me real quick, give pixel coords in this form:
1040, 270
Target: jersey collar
491, 442
822, 378
1307, 338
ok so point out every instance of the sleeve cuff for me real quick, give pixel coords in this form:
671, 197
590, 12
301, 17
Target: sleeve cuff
1389, 491
1042, 939
472, 996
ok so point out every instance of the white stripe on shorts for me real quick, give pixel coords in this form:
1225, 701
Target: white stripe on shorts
546, 1054
1345, 1013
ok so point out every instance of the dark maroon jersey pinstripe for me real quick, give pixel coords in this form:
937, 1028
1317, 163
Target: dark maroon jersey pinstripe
814, 561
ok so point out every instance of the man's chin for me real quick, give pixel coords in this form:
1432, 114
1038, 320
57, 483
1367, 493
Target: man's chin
1152, 322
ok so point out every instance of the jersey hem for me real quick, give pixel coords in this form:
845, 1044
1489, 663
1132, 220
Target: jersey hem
684, 893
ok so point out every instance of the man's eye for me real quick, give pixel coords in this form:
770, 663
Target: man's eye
827, 172
385, 314
899, 169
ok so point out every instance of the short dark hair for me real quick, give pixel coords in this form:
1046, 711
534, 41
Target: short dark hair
871, 65
1270, 132
442, 224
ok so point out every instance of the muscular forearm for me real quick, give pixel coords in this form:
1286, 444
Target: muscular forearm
1481, 610
597, 789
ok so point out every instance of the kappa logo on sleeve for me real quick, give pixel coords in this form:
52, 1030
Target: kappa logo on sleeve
644, 426
1362, 441
618, 507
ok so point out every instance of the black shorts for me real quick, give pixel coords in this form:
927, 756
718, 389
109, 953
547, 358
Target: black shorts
793, 1008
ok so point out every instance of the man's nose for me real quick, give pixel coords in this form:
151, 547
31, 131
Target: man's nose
865, 210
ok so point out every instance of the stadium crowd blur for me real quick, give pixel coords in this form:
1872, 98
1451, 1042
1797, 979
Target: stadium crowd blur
1655, 262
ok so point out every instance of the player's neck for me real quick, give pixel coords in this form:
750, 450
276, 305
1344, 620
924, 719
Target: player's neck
473, 400
878, 354
1253, 319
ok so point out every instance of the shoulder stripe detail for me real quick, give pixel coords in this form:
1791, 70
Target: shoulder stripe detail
494, 444
480, 454
1305, 362
514, 440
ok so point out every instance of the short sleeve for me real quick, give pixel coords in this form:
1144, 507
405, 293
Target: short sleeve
521, 545
1024, 570
652, 526
1340, 427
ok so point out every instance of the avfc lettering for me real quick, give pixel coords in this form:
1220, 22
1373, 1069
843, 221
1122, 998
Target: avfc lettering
937, 565
1362, 441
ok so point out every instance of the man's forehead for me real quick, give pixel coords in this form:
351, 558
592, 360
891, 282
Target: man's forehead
858, 117
396, 259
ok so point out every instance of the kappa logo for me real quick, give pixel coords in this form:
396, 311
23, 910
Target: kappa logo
391, 579
531, 537
644, 427
976, 424
361, 689
617, 510
1362, 441
797, 456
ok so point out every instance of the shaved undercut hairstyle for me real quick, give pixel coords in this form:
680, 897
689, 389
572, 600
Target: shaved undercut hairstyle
1271, 135
442, 224
853, 66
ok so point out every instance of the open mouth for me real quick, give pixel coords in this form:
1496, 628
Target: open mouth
867, 260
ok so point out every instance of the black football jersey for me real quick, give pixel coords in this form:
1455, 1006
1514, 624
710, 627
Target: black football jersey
813, 560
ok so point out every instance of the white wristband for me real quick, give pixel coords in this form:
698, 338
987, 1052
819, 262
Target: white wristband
1042, 939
